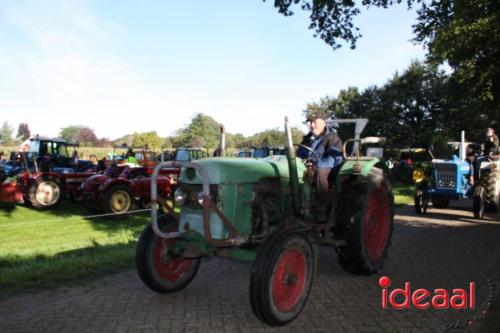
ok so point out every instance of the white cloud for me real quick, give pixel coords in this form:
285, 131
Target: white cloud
69, 77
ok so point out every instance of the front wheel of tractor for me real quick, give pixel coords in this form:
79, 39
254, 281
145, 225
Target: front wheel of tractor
281, 278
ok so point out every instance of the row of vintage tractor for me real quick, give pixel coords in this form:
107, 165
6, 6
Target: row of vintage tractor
43, 172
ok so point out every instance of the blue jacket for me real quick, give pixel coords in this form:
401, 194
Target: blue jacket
327, 146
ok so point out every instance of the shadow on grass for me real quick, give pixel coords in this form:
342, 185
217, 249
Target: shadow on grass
7, 210
75, 211
41, 271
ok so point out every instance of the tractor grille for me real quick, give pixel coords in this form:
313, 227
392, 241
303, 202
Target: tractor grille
446, 176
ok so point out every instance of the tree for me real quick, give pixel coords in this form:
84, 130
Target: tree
151, 139
6, 134
410, 109
104, 142
273, 138
202, 131
86, 137
69, 133
466, 35
23, 131
237, 140
332, 20
168, 142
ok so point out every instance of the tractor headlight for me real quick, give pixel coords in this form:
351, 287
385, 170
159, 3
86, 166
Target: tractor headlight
418, 175
179, 196
200, 198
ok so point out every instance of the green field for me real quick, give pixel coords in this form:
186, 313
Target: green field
40, 249
403, 195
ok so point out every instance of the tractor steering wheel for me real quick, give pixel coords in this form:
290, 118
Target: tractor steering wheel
308, 148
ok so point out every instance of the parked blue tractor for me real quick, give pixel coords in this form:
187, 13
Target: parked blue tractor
458, 178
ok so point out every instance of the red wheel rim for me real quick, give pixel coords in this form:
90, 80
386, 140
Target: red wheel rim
376, 224
289, 279
167, 267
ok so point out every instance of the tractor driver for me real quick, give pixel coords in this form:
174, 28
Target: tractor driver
327, 147
491, 141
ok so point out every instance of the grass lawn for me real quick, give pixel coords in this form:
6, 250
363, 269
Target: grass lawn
403, 194
45, 248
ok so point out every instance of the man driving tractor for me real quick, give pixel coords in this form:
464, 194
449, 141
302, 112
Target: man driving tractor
323, 159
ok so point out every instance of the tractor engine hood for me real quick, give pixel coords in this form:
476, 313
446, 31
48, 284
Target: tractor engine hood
240, 170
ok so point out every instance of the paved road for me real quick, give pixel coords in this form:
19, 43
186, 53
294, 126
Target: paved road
446, 249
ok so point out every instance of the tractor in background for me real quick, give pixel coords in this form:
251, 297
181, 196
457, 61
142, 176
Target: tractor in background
459, 178
262, 152
260, 210
487, 191
42, 172
122, 186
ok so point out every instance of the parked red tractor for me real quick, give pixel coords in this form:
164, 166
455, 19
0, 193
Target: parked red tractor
42, 172
122, 187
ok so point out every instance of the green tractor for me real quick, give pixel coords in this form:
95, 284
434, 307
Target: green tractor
262, 211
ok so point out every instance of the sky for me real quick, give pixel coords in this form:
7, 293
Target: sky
121, 67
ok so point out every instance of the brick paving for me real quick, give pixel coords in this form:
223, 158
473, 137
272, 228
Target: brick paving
445, 249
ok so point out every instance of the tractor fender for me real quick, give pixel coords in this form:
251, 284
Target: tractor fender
92, 183
49, 175
360, 168
164, 184
111, 182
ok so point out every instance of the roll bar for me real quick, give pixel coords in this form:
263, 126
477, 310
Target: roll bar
154, 192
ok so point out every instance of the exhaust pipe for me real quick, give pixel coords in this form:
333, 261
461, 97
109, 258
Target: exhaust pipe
292, 170
222, 144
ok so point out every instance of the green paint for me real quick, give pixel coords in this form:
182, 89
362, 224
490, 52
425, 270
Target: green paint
241, 254
240, 170
365, 163
193, 240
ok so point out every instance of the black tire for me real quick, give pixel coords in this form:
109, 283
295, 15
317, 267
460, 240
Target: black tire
421, 199
162, 273
489, 182
44, 192
90, 203
281, 278
479, 202
439, 201
366, 217
117, 199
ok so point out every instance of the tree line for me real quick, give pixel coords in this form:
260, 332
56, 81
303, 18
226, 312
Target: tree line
420, 107
202, 131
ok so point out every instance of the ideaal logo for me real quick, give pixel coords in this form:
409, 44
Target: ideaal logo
405, 298
439, 299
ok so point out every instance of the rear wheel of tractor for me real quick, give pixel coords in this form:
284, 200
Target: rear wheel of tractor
281, 278
45, 193
367, 216
157, 267
490, 181
118, 200
479, 202
439, 201
421, 201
